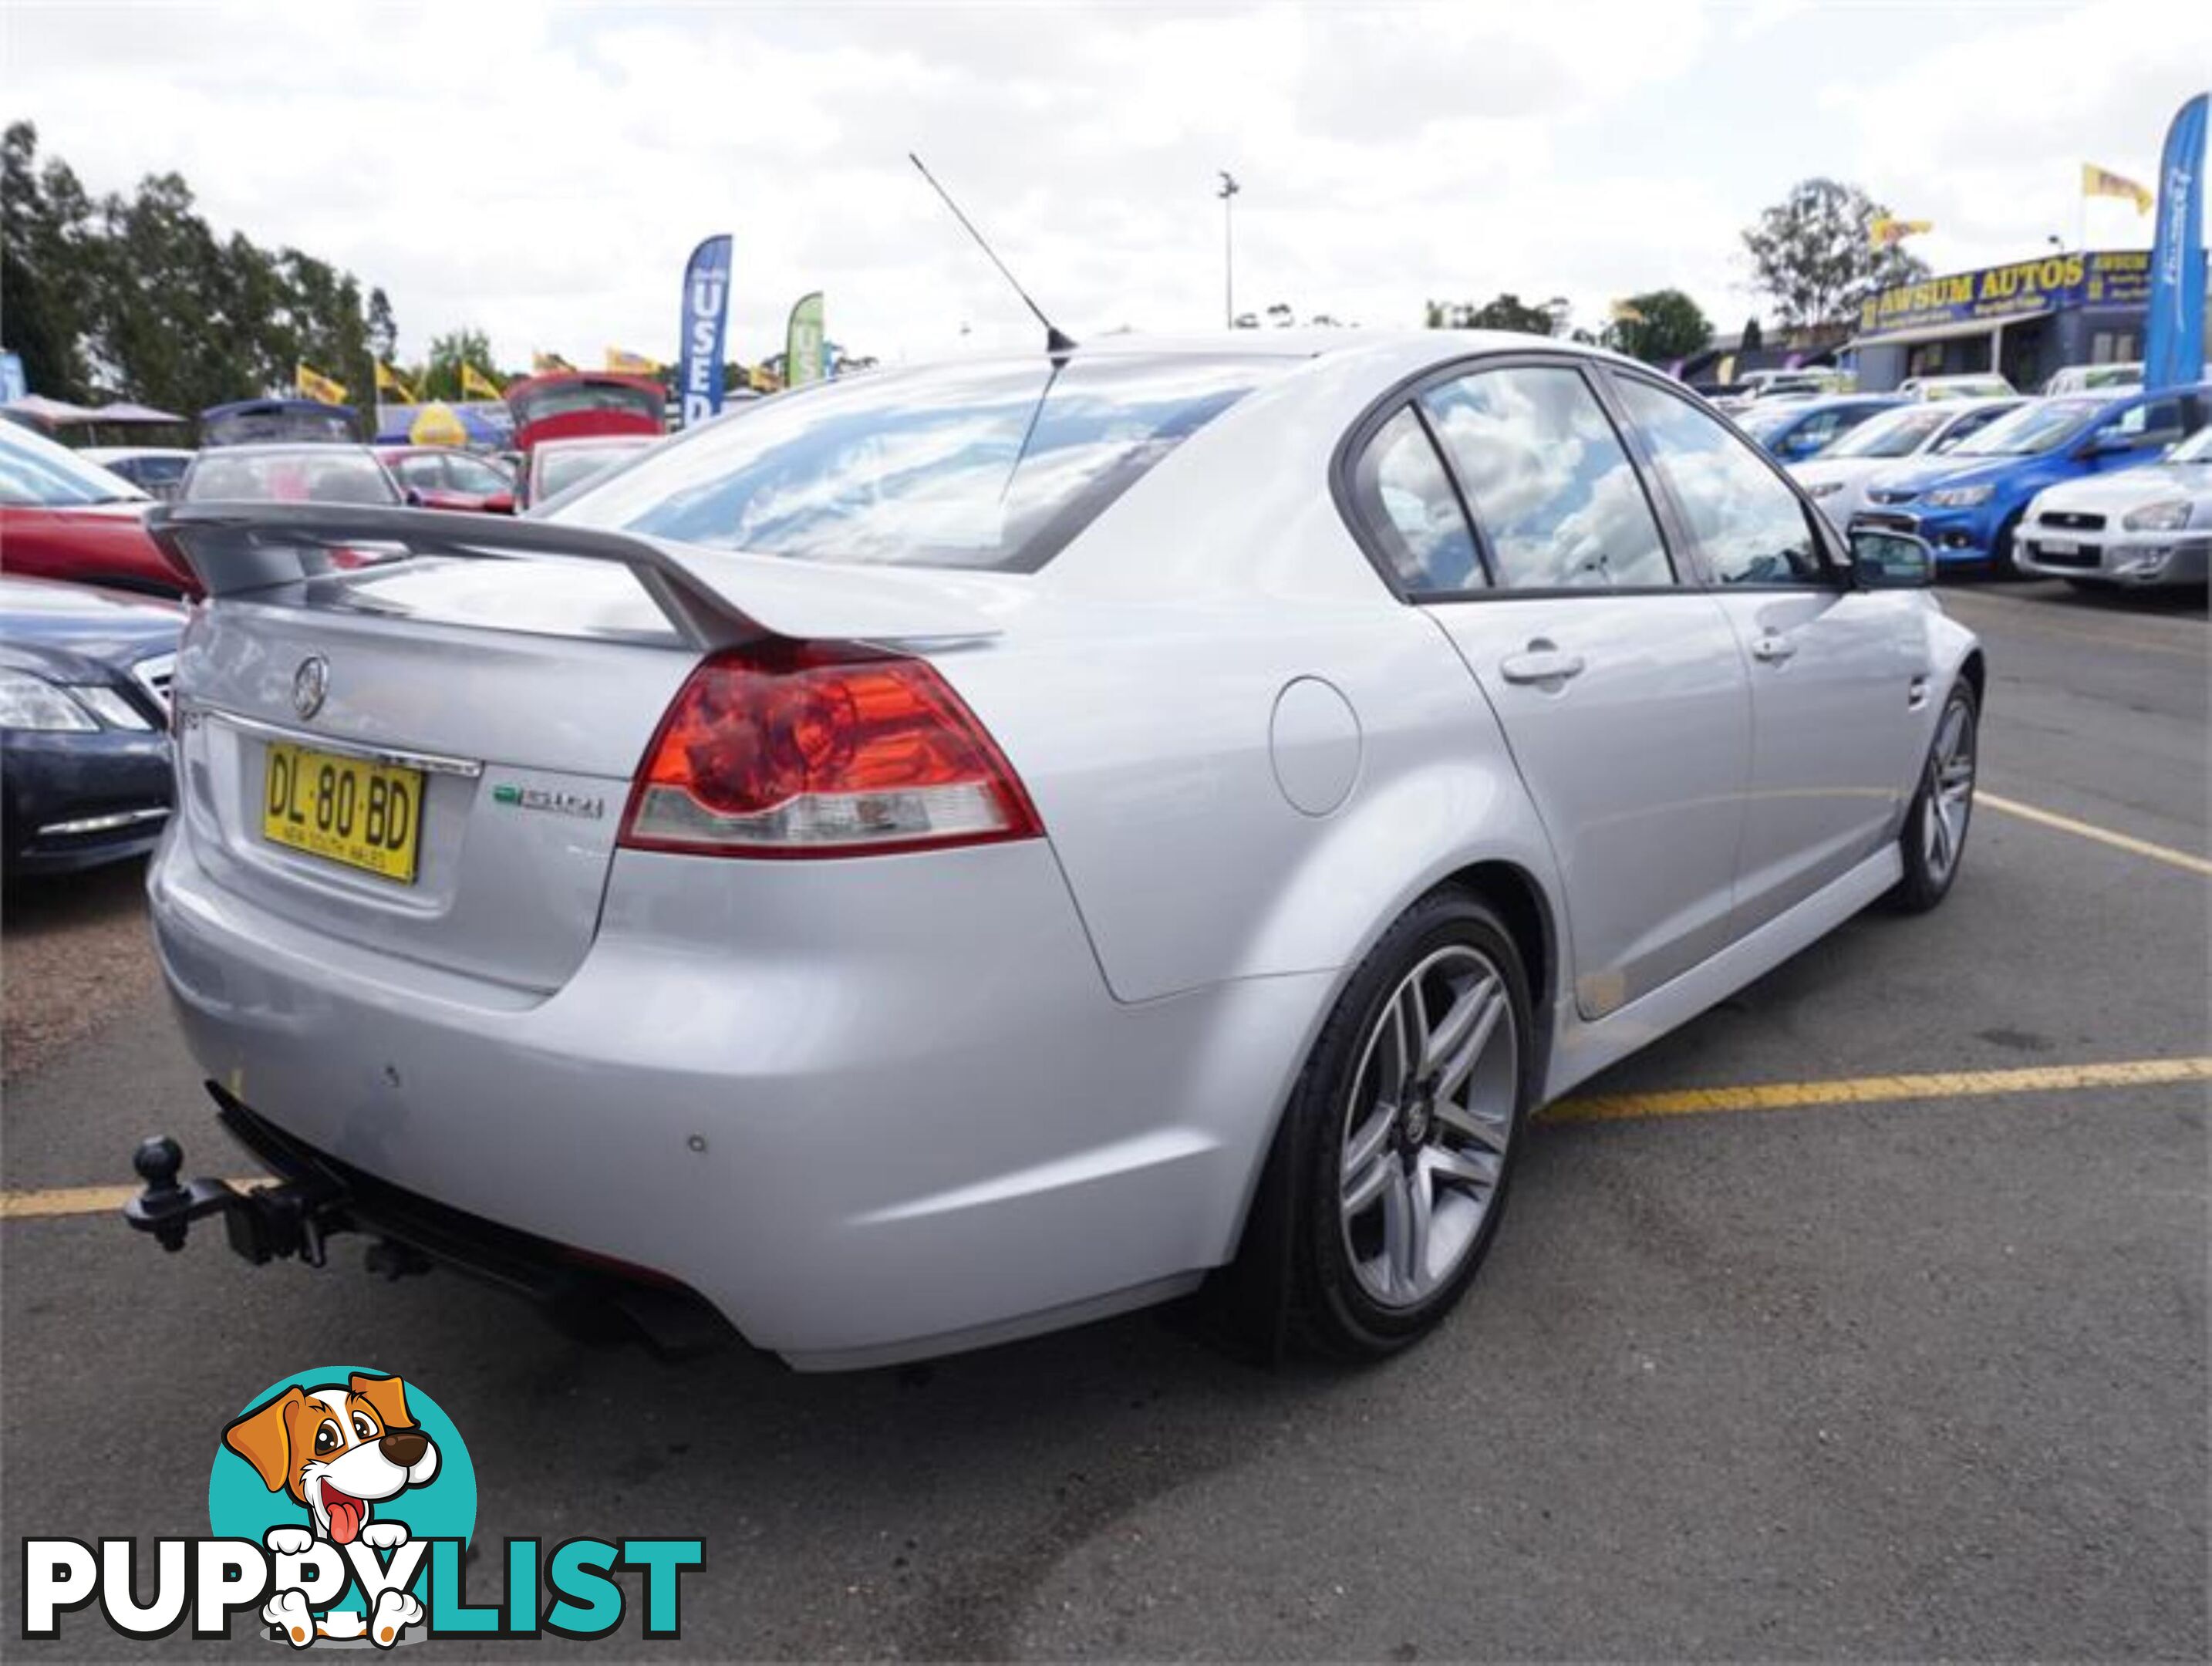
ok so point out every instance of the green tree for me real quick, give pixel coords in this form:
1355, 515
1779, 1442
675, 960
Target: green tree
46, 240
1658, 326
441, 374
1505, 312
137, 296
1814, 253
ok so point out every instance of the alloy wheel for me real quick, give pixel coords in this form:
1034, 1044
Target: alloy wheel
1950, 796
1426, 1125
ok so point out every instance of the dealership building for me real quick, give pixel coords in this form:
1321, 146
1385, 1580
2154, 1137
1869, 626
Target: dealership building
2023, 320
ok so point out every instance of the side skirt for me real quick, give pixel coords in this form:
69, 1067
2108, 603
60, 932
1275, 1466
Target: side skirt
1582, 1048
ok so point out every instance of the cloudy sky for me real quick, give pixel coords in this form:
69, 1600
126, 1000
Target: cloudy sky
541, 172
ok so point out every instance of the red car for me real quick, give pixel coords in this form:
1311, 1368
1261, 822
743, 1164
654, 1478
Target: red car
577, 405
64, 518
442, 478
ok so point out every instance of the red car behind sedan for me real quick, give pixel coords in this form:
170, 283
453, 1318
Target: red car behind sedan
64, 518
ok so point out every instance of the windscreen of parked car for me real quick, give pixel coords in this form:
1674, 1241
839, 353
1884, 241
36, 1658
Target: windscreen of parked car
35, 472
309, 474
1762, 424
2031, 429
2197, 448
993, 466
1897, 433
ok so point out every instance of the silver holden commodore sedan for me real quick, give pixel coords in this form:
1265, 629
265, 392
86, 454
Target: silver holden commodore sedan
952, 854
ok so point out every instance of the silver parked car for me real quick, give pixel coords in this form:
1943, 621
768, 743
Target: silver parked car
945, 855
2140, 528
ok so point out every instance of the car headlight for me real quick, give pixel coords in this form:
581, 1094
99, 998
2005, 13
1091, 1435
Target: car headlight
1960, 497
1824, 489
32, 702
108, 706
2157, 517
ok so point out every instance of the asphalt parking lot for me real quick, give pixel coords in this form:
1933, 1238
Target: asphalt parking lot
1893, 1344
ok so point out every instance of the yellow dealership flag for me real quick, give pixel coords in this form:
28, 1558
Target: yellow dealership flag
388, 381
313, 385
2103, 182
631, 364
1623, 311
543, 362
1883, 230
478, 385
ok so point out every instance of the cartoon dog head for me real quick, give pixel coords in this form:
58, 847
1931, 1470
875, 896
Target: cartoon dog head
336, 1449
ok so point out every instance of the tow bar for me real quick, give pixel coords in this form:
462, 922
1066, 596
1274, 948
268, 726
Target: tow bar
269, 1222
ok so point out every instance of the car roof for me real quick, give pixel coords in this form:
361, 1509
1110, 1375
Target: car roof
291, 448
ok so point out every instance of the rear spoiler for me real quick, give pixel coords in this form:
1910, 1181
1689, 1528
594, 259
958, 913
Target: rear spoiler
714, 596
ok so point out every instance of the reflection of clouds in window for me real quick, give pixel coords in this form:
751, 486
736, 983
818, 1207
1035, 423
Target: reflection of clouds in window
976, 465
1548, 481
1424, 531
1750, 525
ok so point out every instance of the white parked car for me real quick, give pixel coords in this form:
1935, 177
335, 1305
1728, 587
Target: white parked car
2144, 526
157, 471
2094, 377
963, 850
1958, 387
1837, 478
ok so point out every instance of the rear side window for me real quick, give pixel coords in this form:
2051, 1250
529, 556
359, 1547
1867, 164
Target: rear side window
1750, 525
1557, 501
1406, 500
994, 465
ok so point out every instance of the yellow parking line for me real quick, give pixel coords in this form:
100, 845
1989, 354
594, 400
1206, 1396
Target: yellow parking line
2157, 853
83, 1200
1880, 1090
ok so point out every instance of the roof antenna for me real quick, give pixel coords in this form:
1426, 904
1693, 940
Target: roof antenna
1055, 342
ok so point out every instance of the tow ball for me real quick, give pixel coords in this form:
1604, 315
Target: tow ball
271, 1222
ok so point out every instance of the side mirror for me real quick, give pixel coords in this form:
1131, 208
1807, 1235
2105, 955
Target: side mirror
500, 503
412, 498
1884, 560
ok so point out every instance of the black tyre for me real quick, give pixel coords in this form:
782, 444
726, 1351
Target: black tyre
1404, 1128
1932, 841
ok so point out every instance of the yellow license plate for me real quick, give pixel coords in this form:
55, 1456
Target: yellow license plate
368, 815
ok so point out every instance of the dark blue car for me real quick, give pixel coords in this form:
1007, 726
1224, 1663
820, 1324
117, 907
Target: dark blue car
1966, 502
85, 708
1794, 429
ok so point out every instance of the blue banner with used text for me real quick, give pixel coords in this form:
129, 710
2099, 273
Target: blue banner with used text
706, 313
2173, 335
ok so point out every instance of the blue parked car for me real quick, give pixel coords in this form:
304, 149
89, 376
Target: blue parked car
1967, 503
1794, 429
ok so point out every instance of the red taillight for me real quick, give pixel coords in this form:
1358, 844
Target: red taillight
799, 748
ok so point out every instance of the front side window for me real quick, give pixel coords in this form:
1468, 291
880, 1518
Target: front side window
421, 472
473, 474
1751, 526
1548, 481
1407, 501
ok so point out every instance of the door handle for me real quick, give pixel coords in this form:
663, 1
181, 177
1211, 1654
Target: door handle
1773, 650
1542, 663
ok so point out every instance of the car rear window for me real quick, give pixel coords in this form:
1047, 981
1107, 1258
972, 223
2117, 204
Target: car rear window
994, 465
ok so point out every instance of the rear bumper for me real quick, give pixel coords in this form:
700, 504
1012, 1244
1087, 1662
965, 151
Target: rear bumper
78, 801
867, 1109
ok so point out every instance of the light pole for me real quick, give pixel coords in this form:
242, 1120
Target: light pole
1228, 189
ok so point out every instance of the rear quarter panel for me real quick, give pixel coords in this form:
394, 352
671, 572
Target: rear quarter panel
1135, 696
